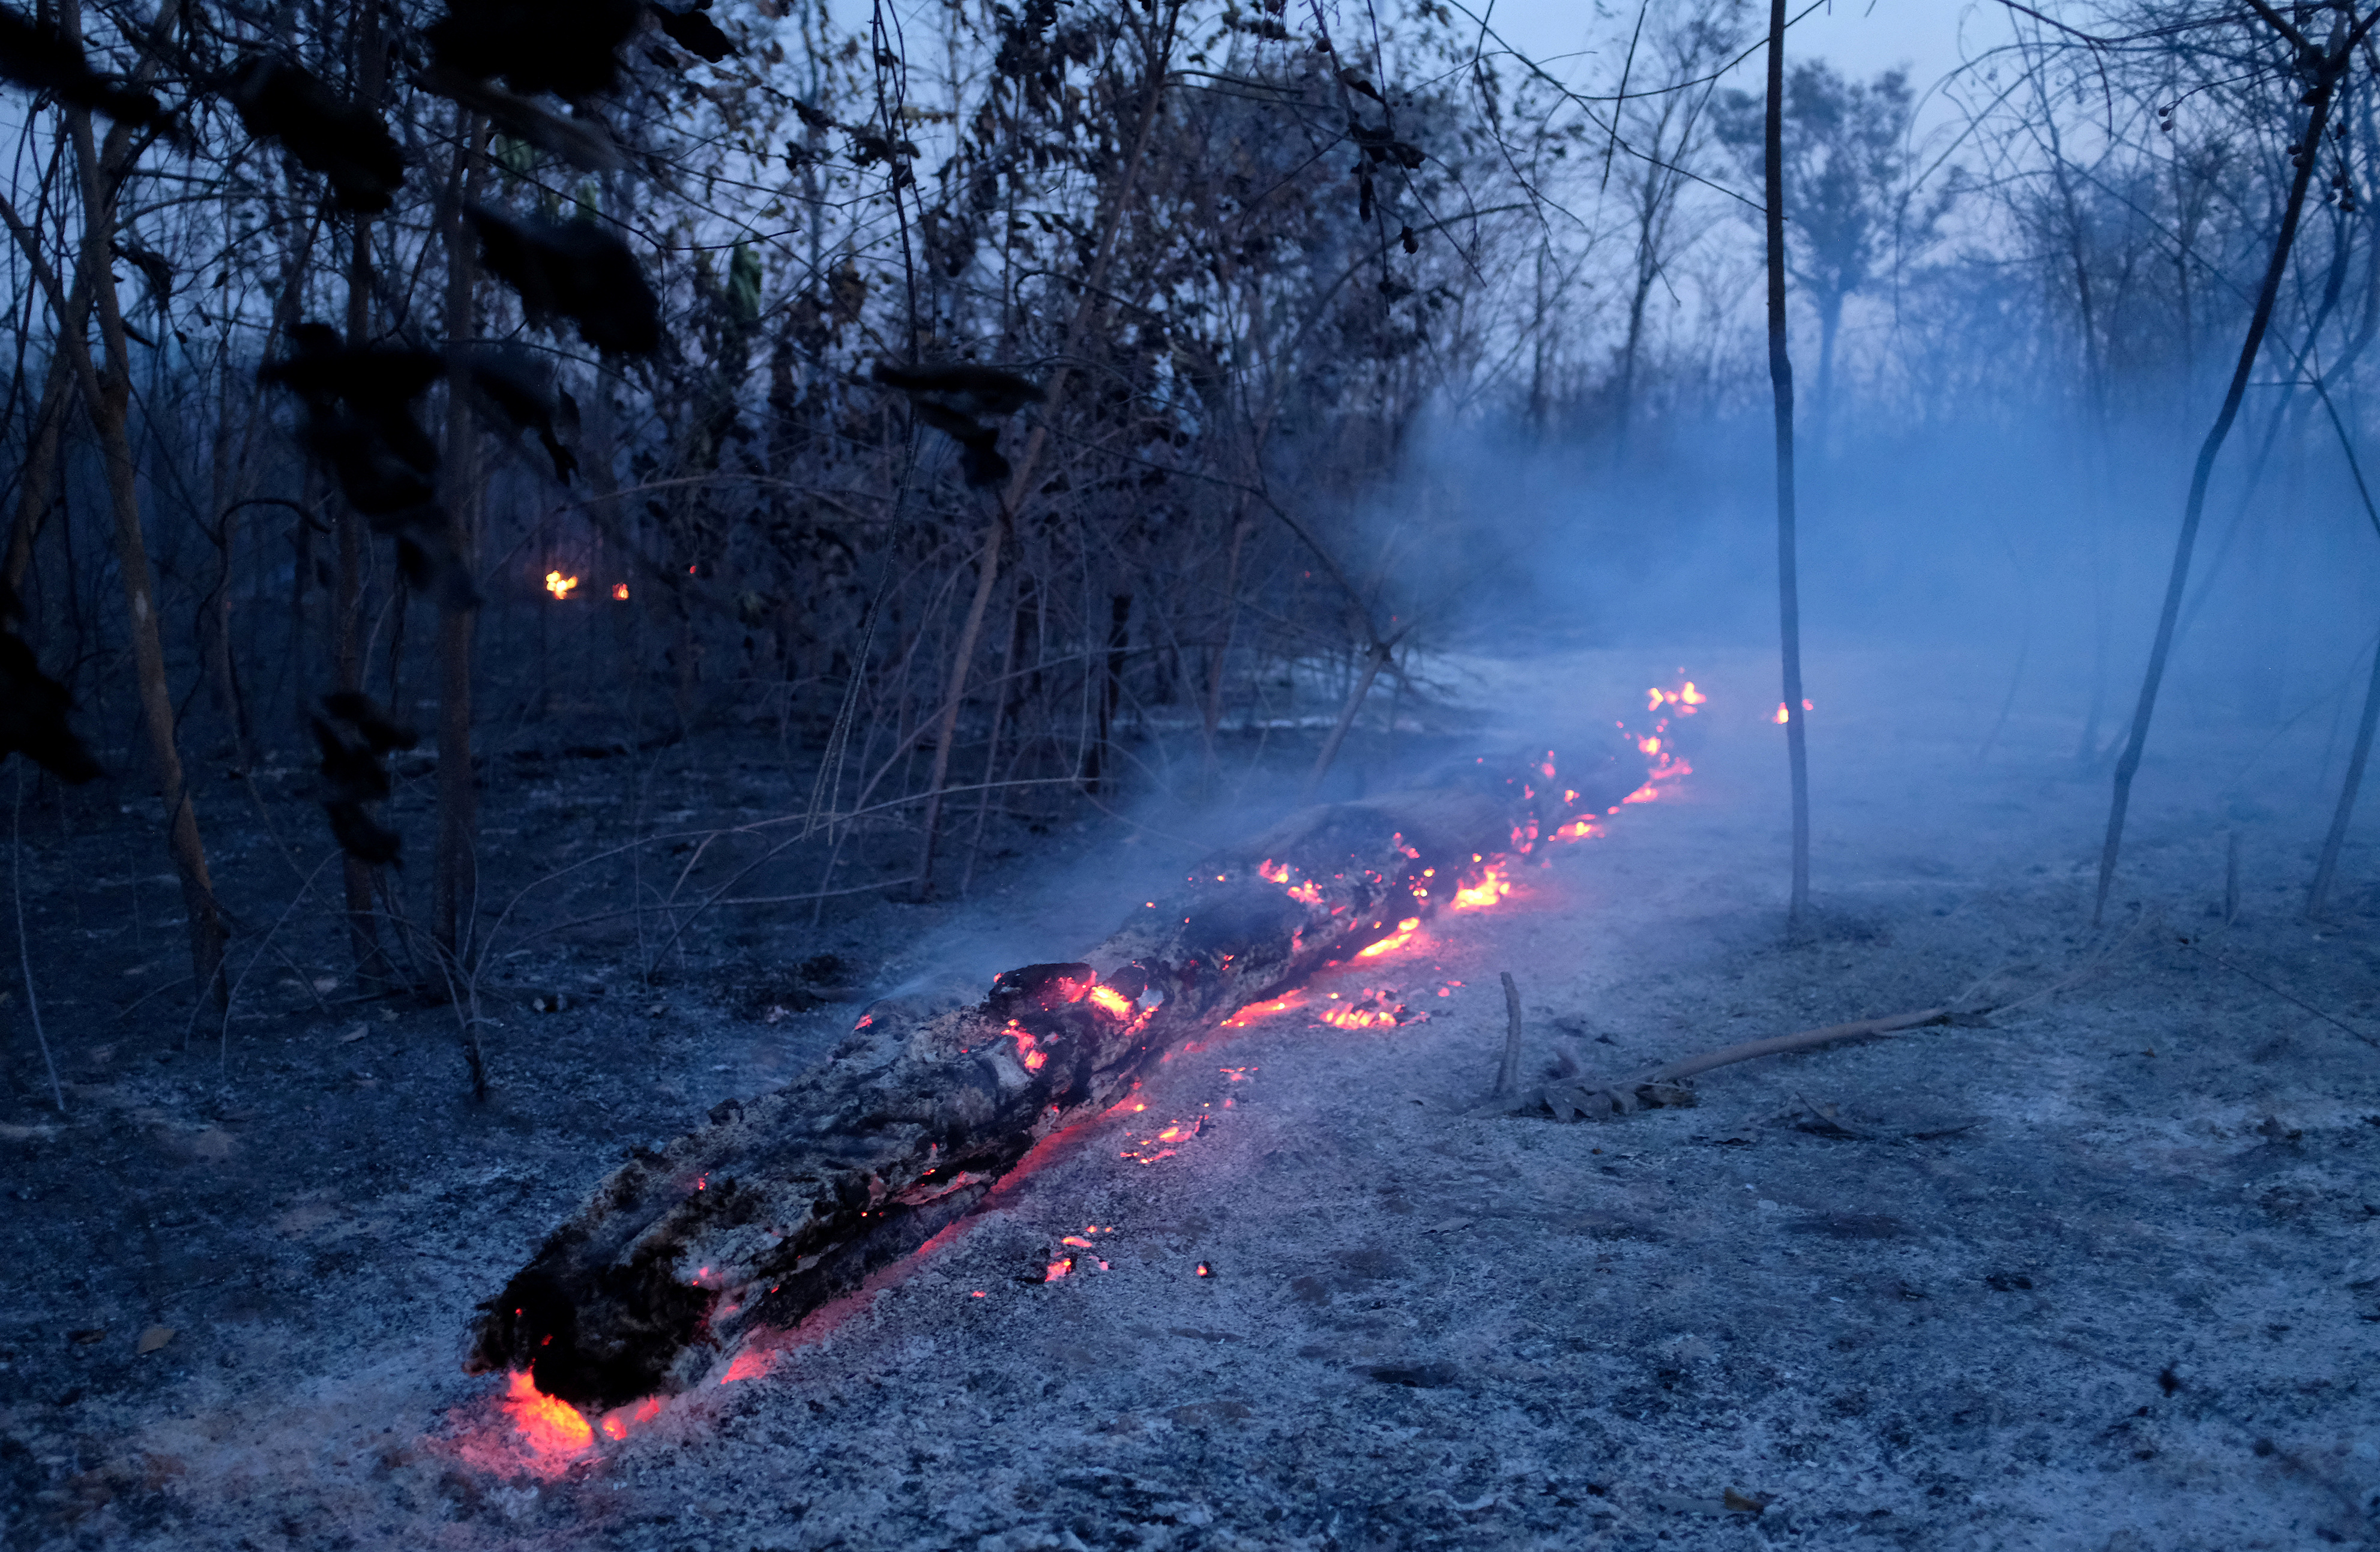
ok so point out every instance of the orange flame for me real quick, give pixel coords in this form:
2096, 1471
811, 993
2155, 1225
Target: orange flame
1113, 1001
619, 1420
552, 1427
1394, 941
1149, 1149
620, 591
1256, 1010
1491, 886
749, 1364
559, 585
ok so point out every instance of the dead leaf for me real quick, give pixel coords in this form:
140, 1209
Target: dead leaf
1448, 1226
357, 1033
11, 1133
155, 1338
326, 983
388, 1015
213, 1144
1743, 1503
88, 1335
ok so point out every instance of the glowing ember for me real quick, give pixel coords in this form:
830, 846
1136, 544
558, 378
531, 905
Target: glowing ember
559, 585
619, 1420
1113, 1001
1025, 1043
1395, 940
749, 1365
1149, 1150
552, 1428
1491, 886
1058, 1268
1256, 1010
1686, 698
1372, 1008
620, 591
1782, 716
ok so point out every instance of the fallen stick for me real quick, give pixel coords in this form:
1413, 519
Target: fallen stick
1664, 1088
1859, 1029
790, 1199
1508, 1074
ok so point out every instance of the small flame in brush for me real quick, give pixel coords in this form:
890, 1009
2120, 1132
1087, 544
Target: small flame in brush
561, 587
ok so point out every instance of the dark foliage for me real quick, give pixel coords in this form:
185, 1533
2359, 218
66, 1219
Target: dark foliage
949, 398
344, 142
574, 269
360, 426
33, 710
536, 45
519, 394
354, 733
694, 32
32, 54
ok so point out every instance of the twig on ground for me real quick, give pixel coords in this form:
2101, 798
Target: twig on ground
1663, 1087
1858, 1029
24, 954
1508, 1074
2259, 980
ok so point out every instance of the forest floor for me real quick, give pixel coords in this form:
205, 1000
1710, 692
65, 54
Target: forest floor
2102, 1274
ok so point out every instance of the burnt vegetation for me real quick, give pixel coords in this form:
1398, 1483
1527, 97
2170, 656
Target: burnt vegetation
969, 434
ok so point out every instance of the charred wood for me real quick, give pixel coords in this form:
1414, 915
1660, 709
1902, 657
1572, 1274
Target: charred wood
790, 1199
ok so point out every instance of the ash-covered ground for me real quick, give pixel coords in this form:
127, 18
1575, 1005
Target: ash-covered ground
2103, 1273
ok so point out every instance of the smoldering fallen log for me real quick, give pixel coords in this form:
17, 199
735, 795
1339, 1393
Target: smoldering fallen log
790, 1199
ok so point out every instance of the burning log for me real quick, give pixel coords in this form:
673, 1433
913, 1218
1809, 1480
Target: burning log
788, 1200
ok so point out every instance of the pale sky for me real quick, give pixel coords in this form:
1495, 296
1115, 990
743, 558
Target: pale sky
1858, 37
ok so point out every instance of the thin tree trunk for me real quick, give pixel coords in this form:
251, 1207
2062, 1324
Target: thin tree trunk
1095, 765
1213, 721
2332, 65
1831, 324
39, 491
108, 402
1780, 379
454, 888
1373, 660
372, 967
2319, 894
1000, 707
946, 732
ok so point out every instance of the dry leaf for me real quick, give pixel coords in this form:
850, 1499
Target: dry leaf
213, 1142
388, 1015
1743, 1503
326, 983
357, 1033
88, 1335
155, 1337
11, 1133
